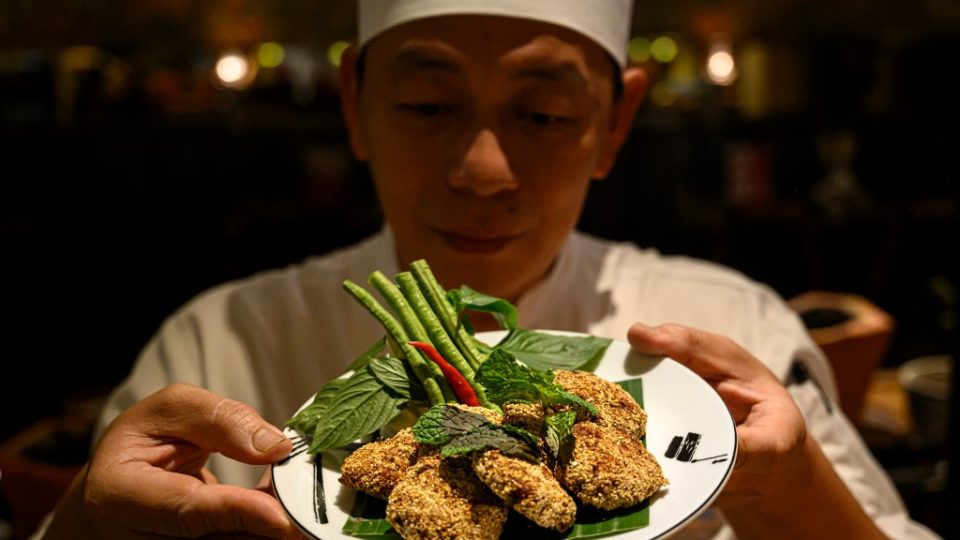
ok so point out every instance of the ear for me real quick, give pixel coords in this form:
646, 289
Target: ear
621, 118
350, 102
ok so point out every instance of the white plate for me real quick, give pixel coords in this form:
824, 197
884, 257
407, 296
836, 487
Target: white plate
689, 430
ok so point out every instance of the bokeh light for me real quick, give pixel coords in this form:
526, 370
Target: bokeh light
232, 70
721, 67
270, 54
335, 51
638, 50
664, 49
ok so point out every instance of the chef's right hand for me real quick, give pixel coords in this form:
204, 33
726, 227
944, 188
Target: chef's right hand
146, 478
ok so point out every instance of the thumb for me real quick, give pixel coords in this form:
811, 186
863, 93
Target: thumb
215, 424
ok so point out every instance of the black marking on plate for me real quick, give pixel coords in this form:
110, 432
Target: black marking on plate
673, 447
690, 443
319, 498
683, 448
724, 456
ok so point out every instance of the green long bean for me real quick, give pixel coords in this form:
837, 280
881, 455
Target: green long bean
408, 319
438, 335
437, 298
396, 332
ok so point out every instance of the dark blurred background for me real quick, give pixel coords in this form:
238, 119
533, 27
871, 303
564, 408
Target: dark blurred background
133, 177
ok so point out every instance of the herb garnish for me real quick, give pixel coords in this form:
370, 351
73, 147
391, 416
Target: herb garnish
460, 432
508, 381
392, 374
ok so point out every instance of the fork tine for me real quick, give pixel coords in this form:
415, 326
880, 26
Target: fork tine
301, 443
299, 447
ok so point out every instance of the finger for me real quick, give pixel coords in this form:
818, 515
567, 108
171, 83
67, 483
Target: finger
709, 355
223, 508
182, 506
213, 423
207, 477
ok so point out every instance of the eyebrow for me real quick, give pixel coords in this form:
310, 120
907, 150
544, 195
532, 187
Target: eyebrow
418, 59
564, 72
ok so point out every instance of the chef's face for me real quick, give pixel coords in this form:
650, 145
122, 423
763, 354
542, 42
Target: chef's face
482, 135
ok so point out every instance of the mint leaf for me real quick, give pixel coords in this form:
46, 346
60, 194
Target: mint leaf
558, 428
443, 422
518, 432
556, 395
543, 351
507, 381
461, 432
486, 437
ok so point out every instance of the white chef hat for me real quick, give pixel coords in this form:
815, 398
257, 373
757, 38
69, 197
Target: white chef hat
606, 22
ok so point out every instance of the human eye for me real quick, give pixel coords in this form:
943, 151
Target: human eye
426, 109
543, 119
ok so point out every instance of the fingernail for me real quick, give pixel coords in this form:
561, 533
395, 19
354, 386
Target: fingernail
266, 438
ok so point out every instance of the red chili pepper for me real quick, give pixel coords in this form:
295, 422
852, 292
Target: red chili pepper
461, 387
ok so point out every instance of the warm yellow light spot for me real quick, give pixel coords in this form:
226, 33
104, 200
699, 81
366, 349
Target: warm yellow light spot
335, 51
664, 49
639, 49
270, 54
232, 69
721, 68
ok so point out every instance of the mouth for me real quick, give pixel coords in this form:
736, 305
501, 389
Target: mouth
477, 244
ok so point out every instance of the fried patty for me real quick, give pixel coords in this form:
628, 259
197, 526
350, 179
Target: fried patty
528, 416
442, 499
608, 468
616, 406
375, 468
528, 488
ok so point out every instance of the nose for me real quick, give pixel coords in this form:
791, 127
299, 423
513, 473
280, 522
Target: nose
485, 167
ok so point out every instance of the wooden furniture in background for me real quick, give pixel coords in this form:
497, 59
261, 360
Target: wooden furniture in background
853, 333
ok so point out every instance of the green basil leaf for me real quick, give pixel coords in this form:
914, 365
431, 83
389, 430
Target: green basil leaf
305, 421
360, 407
467, 299
444, 422
543, 351
392, 372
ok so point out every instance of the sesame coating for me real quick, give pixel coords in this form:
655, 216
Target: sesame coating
528, 416
616, 406
441, 499
528, 488
603, 464
608, 468
375, 468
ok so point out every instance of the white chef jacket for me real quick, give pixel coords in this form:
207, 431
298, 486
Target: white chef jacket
273, 339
